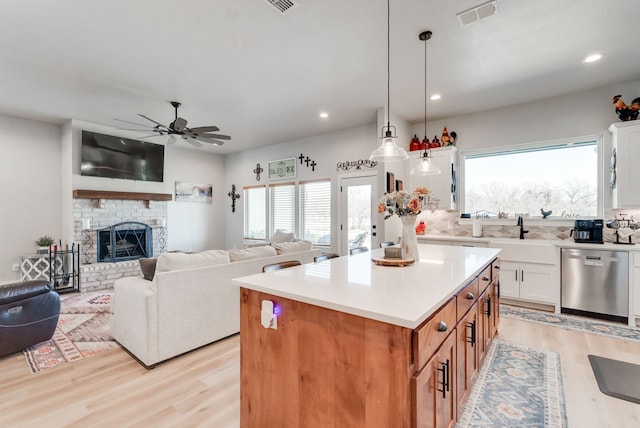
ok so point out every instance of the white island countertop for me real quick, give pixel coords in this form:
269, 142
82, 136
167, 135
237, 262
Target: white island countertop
404, 296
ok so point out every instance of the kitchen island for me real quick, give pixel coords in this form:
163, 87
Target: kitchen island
345, 342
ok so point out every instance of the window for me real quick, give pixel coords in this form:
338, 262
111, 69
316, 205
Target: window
560, 176
315, 211
255, 220
282, 207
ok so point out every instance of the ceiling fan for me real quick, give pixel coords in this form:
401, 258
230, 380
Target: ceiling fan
178, 129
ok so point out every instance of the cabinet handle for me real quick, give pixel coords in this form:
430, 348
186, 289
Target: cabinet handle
488, 301
497, 267
516, 276
442, 326
470, 296
485, 278
472, 340
444, 369
498, 289
522, 276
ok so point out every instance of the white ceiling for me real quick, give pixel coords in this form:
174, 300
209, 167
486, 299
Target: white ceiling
264, 77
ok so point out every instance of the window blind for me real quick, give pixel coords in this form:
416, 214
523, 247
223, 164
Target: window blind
255, 212
282, 207
315, 211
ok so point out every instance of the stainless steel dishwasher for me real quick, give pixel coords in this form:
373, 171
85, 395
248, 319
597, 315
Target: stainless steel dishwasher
595, 283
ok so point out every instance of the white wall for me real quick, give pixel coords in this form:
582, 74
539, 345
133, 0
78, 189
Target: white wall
195, 226
30, 185
326, 150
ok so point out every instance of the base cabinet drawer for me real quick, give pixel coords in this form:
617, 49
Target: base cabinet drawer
430, 335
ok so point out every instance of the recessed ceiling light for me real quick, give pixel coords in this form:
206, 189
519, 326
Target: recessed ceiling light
593, 58
435, 97
324, 115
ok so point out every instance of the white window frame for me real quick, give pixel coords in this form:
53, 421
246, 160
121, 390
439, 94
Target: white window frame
246, 212
566, 141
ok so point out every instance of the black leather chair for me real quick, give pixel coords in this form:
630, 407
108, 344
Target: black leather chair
29, 314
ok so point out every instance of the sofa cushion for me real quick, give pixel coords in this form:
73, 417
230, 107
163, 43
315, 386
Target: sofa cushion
175, 261
291, 247
148, 267
281, 236
252, 253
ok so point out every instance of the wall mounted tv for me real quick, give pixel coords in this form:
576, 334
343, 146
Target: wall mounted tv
117, 157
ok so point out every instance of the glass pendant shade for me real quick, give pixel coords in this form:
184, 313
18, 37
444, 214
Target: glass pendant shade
425, 167
389, 151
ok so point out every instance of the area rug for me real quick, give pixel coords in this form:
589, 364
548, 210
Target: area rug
572, 322
518, 386
82, 331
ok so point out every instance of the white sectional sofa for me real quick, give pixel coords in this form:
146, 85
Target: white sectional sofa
191, 300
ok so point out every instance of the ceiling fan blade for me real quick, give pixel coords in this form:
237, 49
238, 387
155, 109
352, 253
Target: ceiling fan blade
149, 136
194, 142
201, 129
217, 136
210, 141
151, 120
132, 123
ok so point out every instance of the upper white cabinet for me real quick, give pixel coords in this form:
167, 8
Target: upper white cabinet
625, 174
442, 185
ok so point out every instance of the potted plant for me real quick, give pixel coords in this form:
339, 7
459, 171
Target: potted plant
44, 244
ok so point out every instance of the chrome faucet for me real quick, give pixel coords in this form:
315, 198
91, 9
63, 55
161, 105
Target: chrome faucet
521, 224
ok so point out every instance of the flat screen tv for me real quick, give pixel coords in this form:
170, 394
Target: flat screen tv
117, 157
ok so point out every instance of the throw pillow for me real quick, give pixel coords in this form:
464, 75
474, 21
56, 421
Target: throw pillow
148, 267
292, 247
175, 261
281, 236
252, 253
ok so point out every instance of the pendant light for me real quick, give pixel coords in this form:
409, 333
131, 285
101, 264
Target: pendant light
425, 166
388, 151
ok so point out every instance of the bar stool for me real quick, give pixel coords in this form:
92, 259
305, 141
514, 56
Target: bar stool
358, 250
327, 256
281, 265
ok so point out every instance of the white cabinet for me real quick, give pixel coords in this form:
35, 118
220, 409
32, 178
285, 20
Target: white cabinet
441, 185
625, 175
527, 281
529, 271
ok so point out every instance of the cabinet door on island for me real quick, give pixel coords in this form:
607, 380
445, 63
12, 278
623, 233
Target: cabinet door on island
434, 389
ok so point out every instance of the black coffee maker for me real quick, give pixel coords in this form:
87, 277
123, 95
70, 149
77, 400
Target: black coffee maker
588, 231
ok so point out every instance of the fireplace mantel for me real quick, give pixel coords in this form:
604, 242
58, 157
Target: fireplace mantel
132, 196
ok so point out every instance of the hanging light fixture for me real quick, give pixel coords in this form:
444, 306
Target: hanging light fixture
425, 166
388, 151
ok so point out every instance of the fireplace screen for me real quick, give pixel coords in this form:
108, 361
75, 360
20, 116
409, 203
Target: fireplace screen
124, 241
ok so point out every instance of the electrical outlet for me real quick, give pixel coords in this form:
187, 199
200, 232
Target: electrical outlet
15, 267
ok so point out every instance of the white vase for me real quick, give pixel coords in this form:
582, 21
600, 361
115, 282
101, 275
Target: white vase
408, 238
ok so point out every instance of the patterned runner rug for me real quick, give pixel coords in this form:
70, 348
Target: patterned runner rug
518, 386
82, 331
572, 322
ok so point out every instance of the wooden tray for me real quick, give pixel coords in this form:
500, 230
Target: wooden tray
392, 262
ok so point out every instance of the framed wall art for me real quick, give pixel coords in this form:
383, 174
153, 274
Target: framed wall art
194, 192
283, 168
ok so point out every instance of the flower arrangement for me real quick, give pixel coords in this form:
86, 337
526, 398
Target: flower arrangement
402, 203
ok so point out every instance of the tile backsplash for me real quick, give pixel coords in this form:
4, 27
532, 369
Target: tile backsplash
446, 222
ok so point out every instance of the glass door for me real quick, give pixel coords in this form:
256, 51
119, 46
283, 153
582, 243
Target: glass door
358, 202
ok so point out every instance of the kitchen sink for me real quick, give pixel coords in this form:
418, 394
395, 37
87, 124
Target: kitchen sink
532, 251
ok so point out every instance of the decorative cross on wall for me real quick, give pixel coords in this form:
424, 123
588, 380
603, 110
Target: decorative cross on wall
257, 171
233, 195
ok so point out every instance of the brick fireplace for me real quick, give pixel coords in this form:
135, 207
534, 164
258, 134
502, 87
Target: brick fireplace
93, 213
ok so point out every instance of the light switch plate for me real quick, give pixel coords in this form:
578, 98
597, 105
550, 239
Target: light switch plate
268, 319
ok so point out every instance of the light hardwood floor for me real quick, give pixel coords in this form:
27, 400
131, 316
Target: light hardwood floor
202, 387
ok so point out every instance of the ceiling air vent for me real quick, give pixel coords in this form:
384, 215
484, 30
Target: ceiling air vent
282, 6
477, 13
